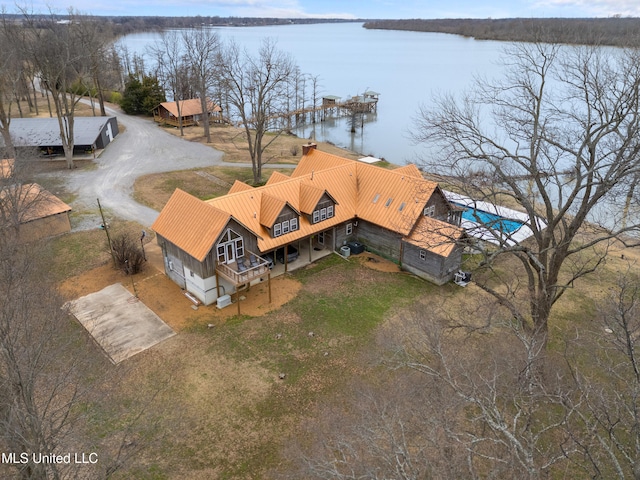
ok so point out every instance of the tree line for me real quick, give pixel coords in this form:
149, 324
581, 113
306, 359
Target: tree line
615, 31
75, 57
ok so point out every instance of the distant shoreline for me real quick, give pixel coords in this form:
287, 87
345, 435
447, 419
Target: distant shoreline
620, 32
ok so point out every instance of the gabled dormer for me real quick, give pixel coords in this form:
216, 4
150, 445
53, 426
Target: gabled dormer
316, 203
278, 216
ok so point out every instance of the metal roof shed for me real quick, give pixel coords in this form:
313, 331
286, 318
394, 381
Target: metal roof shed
44, 133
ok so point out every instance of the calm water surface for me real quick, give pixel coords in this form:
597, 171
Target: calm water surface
406, 68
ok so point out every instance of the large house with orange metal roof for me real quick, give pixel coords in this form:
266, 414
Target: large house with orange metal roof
217, 247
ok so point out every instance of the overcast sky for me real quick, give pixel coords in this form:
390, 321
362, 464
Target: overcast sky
348, 8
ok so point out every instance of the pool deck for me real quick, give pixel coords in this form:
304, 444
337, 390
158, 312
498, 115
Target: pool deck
496, 237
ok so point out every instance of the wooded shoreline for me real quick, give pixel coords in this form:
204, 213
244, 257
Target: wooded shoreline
615, 31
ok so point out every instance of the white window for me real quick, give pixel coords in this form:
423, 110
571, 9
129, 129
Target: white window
430, 211
285, 227
330, 211
277, 230
293, 224
239, 248
349, 229
321, 238
221, 257
423, 255
316, 216
323, 214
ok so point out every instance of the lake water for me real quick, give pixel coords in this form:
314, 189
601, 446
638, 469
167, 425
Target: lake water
406, 68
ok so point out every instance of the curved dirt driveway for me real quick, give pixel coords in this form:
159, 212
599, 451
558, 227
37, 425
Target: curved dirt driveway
141, 149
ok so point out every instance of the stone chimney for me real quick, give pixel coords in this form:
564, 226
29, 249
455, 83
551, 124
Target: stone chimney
306, 148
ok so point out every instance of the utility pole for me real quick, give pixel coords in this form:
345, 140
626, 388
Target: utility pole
106, 230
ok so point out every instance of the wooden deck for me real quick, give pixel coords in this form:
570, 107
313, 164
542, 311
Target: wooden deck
244, 270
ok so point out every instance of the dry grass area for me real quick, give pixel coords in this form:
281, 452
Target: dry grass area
286, 148
154, 190
223, 411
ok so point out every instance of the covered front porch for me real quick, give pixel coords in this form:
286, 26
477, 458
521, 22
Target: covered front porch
309, 249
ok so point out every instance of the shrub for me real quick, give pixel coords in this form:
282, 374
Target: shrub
128, 253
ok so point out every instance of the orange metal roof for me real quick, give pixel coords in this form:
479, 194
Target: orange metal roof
6, 167
270, 208
31, 202
247, 205
190, 224
353, 185
189, 107
239, 186
391, 200
277, 177
410, 170
310, 195
435, 236
316, 160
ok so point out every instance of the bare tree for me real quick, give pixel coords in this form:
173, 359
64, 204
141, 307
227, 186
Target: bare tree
169, 54
559, 138
96, 43
202, 47
62, 57
464, 408
315, 86
11, 64
256, 89
607, 411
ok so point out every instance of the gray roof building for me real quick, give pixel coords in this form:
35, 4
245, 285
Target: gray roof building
89, 133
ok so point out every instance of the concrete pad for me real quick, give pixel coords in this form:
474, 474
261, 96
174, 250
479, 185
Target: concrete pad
120, 323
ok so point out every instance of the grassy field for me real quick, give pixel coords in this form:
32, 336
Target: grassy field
223, 410
217, 407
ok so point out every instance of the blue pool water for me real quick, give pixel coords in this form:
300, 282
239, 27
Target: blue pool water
490, 220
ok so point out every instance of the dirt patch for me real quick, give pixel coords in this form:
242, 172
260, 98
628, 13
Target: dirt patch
168, 301
376, 262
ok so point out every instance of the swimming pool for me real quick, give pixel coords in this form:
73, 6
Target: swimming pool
490, 220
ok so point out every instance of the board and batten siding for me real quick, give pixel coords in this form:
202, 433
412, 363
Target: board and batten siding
380, 240
341, 233
441, 204
435, 268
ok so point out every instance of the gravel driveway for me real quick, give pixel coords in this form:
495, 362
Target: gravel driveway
143, 148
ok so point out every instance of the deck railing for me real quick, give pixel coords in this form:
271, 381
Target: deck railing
244, 269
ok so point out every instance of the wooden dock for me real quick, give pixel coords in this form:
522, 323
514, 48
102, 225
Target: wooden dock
331, 105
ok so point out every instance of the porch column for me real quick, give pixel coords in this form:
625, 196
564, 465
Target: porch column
217, 283
286, 257
310, 247
269, 284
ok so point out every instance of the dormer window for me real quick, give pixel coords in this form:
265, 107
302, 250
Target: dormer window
323, 213
285, 226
